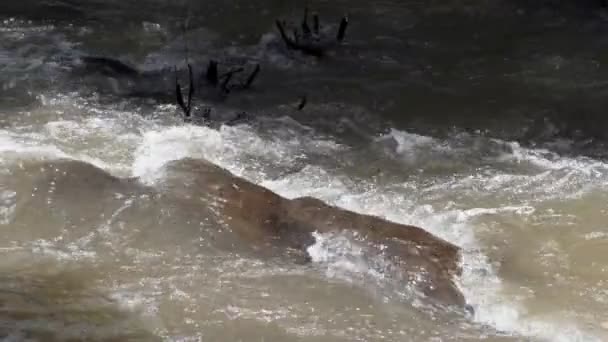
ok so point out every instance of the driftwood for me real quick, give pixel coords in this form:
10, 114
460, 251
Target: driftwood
212, 78
302, 103
311, 41
178, 93
211, 85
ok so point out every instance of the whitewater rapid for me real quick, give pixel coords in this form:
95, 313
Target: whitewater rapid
127, 144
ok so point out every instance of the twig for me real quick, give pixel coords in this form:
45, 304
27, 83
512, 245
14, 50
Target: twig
311, 49
230, 73
187, 109
307, 42
252, 77
342, 29
225, 83
302, 103
305, 27
191, 90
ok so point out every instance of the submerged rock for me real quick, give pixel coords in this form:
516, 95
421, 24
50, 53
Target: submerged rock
262, 219
262, 216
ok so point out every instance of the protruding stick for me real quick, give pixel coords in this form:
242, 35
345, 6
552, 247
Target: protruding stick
342, 29
310, 49
191, 90
178, 93
180, 96
296, 36
290, 43
228, 76
316, 25
302, 103
252, 77
305, 27
230, 73
225, 83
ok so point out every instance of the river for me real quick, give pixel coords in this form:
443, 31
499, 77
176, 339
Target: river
480, 121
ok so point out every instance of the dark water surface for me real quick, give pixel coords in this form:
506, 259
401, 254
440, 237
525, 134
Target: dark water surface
481, 121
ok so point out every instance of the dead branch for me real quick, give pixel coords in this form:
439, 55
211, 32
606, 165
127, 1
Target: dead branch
302, 103
311, 42
187, 109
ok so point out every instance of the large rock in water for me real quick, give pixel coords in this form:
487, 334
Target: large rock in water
263, 217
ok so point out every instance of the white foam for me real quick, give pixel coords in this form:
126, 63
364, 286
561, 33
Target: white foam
242, 151
409, 145
406, 141
7, 205
343, 257
482, 288
69, 253
14, 147
310, 181
479, 282
237, 148
552, 161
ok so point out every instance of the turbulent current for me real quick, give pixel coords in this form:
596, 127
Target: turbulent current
90, 259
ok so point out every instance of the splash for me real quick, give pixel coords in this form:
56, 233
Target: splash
145, 145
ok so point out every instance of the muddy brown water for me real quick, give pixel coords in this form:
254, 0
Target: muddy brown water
472, 120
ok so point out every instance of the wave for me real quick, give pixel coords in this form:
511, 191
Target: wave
286, 164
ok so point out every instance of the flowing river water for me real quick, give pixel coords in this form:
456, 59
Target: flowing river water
445, 115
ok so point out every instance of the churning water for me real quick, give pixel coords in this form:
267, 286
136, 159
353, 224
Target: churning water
89, 260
